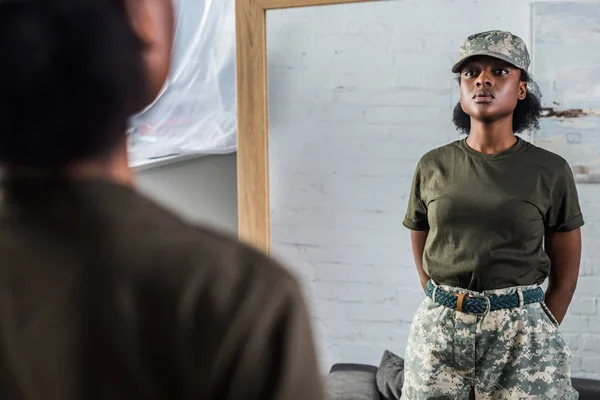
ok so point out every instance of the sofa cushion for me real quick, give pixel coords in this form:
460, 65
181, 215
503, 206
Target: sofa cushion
351, 382
588, 389
390, 376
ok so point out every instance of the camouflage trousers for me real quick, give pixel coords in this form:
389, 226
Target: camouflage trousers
514, 354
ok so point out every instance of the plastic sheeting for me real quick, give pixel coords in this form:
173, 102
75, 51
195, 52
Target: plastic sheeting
196, 110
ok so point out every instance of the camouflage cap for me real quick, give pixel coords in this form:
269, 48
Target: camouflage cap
498, 44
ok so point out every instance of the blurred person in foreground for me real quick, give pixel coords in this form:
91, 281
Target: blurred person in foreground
103, 293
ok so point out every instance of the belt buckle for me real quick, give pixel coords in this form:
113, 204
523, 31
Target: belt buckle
462, 296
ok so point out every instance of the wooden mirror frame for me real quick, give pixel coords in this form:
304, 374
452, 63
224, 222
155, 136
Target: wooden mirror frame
254, 223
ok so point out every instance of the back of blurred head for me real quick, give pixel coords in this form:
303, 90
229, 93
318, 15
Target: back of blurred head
72, 73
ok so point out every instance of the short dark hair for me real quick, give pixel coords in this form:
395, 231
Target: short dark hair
71, 76
526, 115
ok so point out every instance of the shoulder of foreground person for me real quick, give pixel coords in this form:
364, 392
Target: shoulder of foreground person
233, 263
246, 315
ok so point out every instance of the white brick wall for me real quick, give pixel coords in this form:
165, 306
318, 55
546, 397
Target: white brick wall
357, 94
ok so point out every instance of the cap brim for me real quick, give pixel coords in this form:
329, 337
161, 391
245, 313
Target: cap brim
456, 68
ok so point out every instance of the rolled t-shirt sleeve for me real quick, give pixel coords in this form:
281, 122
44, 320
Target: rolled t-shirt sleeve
416, 213
564, 213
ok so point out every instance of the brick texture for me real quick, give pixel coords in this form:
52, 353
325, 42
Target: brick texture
357, 94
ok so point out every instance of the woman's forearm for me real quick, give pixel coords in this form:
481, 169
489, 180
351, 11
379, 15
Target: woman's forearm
558, 301
418, 240
564, 250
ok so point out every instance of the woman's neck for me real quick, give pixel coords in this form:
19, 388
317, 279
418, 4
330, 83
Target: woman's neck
491, 138
114, 168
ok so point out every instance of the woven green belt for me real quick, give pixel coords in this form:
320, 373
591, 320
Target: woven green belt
482, 304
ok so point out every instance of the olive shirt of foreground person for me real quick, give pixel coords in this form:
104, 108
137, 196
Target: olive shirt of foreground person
487, 214
105, 295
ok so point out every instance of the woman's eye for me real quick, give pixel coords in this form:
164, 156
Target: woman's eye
469, 73
501, 71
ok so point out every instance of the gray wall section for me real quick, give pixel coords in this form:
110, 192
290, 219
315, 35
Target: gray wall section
202, 189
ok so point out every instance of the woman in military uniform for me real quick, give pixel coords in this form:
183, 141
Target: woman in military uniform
492, 217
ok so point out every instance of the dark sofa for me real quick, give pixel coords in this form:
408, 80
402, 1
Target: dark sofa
358, 382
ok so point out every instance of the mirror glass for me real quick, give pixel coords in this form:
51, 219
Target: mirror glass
358, 93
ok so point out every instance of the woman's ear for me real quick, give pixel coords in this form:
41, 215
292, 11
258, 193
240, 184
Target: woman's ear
522, 90
153, 22
139, 20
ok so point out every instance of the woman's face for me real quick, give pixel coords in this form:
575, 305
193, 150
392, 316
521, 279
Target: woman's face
154, 23
490, 88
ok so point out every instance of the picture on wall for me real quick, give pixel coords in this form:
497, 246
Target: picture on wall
566, 66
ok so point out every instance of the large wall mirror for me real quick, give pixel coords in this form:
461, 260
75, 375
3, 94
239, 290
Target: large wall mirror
337, 102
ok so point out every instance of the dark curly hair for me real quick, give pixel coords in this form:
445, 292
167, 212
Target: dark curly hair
525, 117
72, 74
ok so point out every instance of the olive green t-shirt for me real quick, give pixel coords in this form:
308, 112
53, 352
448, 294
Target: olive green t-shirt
107, 295
487, 215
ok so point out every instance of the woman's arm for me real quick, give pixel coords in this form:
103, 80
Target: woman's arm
417, 240
564, 250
